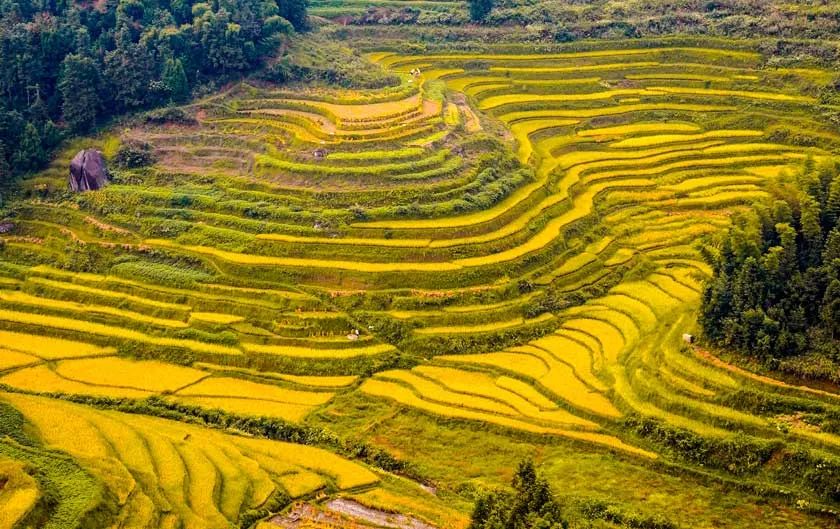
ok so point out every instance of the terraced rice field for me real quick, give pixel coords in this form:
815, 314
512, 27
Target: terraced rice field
344, 260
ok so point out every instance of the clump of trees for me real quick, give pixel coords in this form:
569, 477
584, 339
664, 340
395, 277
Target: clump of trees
776, 287
531, 505
67, 66
479, 9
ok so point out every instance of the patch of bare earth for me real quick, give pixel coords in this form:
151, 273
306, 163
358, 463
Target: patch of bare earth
717, 362
342, 513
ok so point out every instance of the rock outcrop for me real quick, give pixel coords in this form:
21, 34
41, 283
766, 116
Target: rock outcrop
88, 171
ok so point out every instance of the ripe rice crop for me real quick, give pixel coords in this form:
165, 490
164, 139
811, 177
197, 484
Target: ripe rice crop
663, 139
303, 380
577, 68
49, 348
518, 362
238, 388
405, 396
638, 128
432, 390
508, 99
104, 292
611, 340
487, 327
115, 332
318, 381
512, 117
347, 474
578, 356
18, 495
527, 392
213, 317
301, 483
42, 379
10, 359
144, 374
771, 96
19, 298
262, 260
679, 76
306, 352
251, 407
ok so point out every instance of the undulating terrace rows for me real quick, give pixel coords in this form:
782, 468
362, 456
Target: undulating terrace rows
537, 273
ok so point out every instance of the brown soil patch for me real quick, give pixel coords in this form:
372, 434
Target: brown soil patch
717, 362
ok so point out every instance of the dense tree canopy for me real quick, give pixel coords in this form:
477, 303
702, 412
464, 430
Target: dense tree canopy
776, 287
70, 65
530, 506
479, 9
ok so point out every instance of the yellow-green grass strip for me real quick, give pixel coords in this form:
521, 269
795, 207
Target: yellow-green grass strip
98, 329
574, 69
307, 352
263, 260
526, 391
436, 391
584, 113
347, 474
524, 363
245, 389
353, 241
521, 130
770, 96
482, 385
19, 495
303, 380
582, 207
20, 298
528, 98
102, 292
485, 327
664, 139
678, 76
252, 407
638, 128
405, 396
703, 182
575, 55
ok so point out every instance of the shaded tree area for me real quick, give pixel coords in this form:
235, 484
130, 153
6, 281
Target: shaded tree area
531, 504
479, 9
775, 294
67, 66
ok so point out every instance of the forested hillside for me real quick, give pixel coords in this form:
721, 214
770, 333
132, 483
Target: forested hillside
776, 290
67, 66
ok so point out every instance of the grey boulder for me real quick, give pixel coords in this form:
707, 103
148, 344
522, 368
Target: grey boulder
88, 171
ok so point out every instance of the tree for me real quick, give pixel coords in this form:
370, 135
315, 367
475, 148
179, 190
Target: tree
5, 173
811, 229
295, 12
30, 152
78, 84
479, 9
830, 312
530, 506
129, 70
175, 80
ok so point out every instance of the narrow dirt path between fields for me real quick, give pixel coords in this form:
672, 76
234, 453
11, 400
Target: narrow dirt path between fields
717, 362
